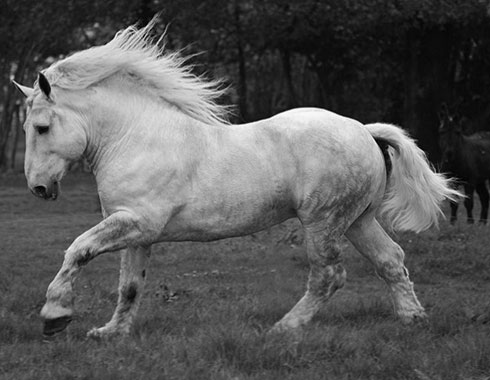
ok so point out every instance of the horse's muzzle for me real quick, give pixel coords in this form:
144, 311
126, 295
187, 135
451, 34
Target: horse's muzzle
47, 192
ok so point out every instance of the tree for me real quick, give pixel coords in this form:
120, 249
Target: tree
373, 60
396, 61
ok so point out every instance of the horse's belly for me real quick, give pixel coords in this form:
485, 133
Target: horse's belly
196, 225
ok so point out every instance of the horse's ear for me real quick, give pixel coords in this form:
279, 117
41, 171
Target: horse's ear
24, 90
44, 85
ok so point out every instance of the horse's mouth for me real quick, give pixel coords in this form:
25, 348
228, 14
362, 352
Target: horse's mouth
56, 190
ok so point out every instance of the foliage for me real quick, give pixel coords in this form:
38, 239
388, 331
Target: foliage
374, 60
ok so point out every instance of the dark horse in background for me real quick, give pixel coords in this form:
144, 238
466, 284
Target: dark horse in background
467, 159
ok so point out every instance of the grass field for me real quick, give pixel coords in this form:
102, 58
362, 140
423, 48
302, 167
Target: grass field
207, 307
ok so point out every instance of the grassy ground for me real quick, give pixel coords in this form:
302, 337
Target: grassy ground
207, 307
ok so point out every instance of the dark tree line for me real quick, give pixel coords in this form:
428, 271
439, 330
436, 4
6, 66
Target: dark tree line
373, 60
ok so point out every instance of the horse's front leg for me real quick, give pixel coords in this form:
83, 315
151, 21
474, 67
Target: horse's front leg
114, 233
134, 261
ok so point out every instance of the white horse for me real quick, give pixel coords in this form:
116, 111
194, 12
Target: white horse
170, 168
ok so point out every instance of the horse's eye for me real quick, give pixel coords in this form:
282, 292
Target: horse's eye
42, 129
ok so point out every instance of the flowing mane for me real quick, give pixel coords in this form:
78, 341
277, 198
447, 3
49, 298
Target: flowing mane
134, 52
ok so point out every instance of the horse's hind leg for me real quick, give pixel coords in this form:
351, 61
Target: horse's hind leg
481, 190
132, 276
372, 241
325, 277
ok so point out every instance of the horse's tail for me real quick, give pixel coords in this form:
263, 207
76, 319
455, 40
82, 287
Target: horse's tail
414, 192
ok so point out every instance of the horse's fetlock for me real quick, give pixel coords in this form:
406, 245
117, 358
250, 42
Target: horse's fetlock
392, 272
399, 254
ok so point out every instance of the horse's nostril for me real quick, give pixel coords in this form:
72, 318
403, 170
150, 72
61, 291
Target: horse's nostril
41, 191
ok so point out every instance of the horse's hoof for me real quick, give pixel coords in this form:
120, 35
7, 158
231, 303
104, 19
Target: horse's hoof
100, 333
56, 325
279, 333
418, 317
107, 332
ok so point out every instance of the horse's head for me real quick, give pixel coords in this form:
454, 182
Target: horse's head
54, 138
450, 134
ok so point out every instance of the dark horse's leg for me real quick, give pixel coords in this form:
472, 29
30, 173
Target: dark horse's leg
481, 190
454, 206
454, 211
468, 202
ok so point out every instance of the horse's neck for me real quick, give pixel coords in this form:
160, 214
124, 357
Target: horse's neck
129, 128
